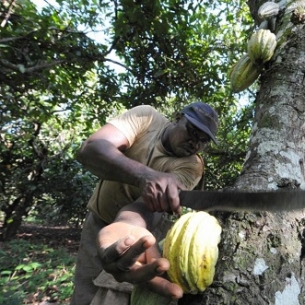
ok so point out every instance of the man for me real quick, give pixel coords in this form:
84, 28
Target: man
143, 160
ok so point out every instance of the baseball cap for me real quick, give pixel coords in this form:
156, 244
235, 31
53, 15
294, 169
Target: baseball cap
204, 117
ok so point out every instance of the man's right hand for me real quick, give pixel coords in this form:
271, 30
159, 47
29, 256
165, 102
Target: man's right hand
160, 192
103, 154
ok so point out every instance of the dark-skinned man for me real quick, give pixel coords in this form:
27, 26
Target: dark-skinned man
143, 161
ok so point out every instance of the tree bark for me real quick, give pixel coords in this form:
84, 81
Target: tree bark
262, 254
13, 218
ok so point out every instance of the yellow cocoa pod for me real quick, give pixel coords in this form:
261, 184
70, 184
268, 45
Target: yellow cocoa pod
261, 46
191, 246
268, 9
243, 74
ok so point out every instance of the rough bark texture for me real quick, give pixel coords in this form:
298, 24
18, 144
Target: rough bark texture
262, 255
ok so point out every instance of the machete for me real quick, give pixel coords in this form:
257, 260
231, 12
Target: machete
272, 201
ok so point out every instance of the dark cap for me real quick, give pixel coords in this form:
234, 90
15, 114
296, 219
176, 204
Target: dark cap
203, 116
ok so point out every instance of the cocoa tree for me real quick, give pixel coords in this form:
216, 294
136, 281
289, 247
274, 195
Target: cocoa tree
56, 78
262, 254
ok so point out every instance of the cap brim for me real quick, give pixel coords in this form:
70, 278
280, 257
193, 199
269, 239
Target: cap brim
202, 127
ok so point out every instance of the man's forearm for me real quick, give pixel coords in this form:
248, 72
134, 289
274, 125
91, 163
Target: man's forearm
107, 162
137, 214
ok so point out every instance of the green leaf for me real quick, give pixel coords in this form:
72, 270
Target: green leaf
21, 68
6, 272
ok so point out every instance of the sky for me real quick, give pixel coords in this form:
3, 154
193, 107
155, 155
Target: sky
41, 3
97, 35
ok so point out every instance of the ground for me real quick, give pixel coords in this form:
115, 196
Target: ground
53, 236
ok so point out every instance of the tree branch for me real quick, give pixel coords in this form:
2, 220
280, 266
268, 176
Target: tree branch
39, 66
7, 16
118, 63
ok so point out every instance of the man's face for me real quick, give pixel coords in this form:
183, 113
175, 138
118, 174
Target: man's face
186, 139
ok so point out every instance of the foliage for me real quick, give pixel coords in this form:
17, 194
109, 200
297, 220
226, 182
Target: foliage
180, 48
41, 173
59, 82
34, 272
224, 162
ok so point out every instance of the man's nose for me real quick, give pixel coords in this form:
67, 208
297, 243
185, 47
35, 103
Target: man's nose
193, 143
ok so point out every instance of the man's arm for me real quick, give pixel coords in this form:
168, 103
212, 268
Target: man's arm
130, 252
103, 155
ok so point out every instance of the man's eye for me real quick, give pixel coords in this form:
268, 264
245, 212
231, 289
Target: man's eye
204, 140
194, 132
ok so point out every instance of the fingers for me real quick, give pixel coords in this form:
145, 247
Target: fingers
168, 201
174, 200
130, 268
163, 200
123, 253
126, 261
161, 193
164, 287
159, 203
116, 250
152, 253
135, 258
134, 261
143, 273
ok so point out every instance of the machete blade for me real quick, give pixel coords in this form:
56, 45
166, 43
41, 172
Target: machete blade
272, 201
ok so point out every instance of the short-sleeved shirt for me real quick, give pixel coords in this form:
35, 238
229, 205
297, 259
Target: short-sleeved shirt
143, 127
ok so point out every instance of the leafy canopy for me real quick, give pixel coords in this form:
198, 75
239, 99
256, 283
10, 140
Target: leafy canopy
67, 67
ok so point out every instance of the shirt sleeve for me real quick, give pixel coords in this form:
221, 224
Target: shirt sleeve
188, 170
134, 122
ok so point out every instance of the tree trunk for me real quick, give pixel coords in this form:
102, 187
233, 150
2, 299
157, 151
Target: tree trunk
13, 219
262, 254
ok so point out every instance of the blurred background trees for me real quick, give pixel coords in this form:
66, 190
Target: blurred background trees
67, 66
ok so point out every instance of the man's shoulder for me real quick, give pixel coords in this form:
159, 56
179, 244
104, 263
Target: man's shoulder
145, 110
147, 116
140, 123
196, 160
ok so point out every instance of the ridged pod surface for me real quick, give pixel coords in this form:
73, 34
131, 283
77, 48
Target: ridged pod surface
268, 9
261, 46
191, 246
243, 74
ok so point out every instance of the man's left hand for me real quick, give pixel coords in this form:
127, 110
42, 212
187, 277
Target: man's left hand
130, 253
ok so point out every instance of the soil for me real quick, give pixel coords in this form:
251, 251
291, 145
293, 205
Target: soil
54, 237
66, 237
